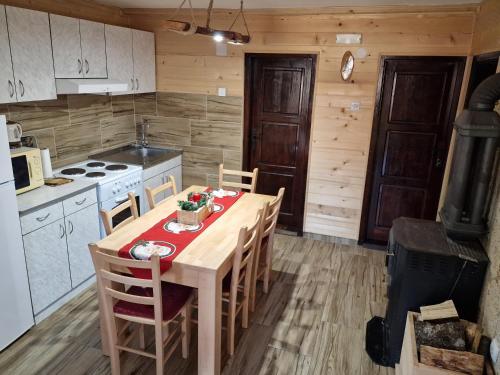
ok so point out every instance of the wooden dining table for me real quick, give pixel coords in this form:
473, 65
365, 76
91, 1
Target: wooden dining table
202, 265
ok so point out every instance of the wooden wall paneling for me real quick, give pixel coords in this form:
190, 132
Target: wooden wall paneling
487, 30
340, 138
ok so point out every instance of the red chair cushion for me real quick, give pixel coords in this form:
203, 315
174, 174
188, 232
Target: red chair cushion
174, 298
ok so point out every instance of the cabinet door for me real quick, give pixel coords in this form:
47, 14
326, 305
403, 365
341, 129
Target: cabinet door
47, 263
152, 183
31, 48
82, 228
7, 90
65, 32
144, 61
93, 49
119, 54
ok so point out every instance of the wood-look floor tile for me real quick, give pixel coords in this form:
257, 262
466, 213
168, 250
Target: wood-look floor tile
216, 134
232, 159
117, 130
145, 104
311, 322
45, 139
78, 139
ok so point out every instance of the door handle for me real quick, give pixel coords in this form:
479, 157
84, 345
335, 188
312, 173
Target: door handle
43, 218
137, 84
80, 68
70, 227
81, 202
132, 80
21, 86
87, 66
439, 163
63, 231
11, 89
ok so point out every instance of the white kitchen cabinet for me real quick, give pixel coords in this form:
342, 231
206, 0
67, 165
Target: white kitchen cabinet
7, 90
48, 265
144, 61
93, 49
65, 32
30, 45
82, 228
79, 48
158, 175
119, 55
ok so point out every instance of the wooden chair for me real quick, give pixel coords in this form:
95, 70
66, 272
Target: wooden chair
238, 185
151, 193
236, 285
129, 303
262, 266
107, 216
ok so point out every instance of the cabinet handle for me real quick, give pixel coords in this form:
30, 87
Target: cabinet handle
63, 231
80, 66
81, 202
132, 80
70, 227
40, 219
87, 66
21, 86
11, 89
137, 84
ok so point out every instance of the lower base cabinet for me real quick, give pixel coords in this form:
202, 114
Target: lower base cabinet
82, 227
48, 264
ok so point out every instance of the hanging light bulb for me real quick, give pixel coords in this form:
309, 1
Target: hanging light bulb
218, 37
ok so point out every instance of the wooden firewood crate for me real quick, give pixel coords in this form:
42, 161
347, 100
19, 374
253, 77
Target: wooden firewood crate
409, 363
193, 217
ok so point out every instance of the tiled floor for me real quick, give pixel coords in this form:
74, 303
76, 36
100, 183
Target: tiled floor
311, 322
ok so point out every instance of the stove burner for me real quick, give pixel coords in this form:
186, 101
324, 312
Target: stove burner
73, 171
96, 164
116, 167
95, 174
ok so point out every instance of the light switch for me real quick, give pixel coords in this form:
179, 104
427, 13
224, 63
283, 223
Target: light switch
355, 106
221, 91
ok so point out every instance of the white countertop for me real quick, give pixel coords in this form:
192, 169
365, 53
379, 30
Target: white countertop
46, 195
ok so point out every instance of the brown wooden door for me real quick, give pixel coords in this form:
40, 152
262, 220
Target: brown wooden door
416, 105
278, 103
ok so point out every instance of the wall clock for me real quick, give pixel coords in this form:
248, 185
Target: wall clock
347, 66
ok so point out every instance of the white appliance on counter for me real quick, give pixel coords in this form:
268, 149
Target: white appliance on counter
16, 314
114, 182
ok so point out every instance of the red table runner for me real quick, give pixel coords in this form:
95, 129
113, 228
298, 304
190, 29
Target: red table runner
162, 235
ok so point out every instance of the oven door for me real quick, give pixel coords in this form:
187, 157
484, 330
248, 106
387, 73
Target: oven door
21, 170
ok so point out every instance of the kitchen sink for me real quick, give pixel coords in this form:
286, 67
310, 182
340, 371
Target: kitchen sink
145, 156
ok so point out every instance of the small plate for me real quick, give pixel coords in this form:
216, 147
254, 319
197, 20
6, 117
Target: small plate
143, 250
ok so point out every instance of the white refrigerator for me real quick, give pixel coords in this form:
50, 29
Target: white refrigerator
16, 313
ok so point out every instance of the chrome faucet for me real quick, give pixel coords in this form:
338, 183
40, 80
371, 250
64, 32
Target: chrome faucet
144, 134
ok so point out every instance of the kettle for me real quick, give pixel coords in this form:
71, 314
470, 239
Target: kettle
14, 131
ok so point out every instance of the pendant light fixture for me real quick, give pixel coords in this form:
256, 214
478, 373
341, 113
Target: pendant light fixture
229, 36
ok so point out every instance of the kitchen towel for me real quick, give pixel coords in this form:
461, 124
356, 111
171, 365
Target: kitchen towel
46, 163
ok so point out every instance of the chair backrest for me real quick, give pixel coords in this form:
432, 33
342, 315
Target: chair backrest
239, 185
113, 284
243, 255
107, 216
271, 215
151, 193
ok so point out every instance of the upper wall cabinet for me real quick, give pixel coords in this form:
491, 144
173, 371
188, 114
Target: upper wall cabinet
79, 48
119, 55
7, 91
144, 61
29, 36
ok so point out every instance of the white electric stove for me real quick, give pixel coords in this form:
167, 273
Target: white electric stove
114, 182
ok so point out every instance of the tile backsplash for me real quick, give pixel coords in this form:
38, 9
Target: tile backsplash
207, 128
74, 126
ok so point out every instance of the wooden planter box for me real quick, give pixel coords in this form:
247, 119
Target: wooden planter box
193, 217
409, 363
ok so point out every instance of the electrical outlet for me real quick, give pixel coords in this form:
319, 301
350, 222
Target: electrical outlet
355, 106
221, 91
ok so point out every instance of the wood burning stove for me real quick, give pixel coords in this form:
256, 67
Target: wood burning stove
429, 262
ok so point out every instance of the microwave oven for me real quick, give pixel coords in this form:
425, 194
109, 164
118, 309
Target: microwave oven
27, 168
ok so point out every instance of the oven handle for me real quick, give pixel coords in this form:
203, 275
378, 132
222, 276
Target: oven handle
121, 200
